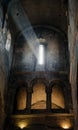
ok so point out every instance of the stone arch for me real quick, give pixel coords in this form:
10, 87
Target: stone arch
39, 91
58, 95
40, 80
20, 102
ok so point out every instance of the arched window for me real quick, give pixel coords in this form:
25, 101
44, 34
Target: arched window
8, 41
38, 97
8, 50
21, 98
57, 97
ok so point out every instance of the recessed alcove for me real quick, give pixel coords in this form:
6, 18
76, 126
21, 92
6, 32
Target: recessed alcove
57, 97
21, 98
38, 96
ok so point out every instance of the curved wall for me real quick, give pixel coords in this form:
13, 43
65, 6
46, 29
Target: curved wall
56, 52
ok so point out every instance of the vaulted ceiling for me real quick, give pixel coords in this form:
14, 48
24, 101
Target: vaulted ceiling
48, 12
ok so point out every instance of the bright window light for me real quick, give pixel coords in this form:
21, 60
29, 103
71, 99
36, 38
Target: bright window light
8, 41
8, 44
41, 58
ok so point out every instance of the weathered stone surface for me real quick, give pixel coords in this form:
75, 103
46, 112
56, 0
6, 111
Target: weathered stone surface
56, 52
53, 13
4, 69
73, 41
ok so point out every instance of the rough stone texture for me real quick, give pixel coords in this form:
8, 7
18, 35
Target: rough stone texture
24, 56
56, 52
46, 12
73, 41
53, 13
3, 69
2, 77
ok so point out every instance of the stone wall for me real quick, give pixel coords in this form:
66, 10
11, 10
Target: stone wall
56, 51
4, 68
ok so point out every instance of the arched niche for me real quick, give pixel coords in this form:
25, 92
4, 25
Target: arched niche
38, 96
21, 98
57, 96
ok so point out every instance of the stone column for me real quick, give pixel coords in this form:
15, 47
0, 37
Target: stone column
48, 98
29, 96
